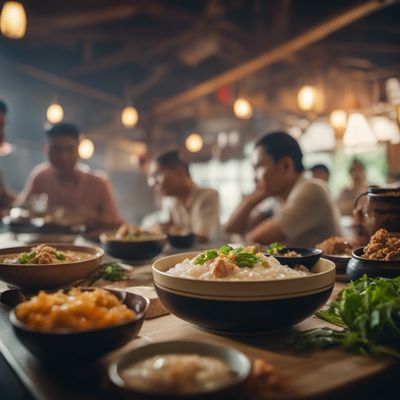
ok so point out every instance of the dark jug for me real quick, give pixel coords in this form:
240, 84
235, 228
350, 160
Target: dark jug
382, 209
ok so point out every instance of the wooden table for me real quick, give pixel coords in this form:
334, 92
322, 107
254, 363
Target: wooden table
323, 374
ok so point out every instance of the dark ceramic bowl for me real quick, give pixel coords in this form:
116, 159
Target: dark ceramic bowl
49, 275
133, 250
340, 261
238, 362
358, 266
70, 347
181, 241
242, 307
308, 256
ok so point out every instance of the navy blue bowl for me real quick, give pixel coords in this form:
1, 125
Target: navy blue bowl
242, 307
358, 266
133, 250
181, 241
308, 256
75, 346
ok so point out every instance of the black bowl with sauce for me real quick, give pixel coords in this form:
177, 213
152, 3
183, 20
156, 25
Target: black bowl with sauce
359, 265
239, 364
307, 256
67, 347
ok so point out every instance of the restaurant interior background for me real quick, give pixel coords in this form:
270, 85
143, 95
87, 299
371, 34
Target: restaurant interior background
209, 77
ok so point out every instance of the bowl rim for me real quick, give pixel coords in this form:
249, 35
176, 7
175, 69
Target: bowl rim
200, 348
105, 238
370, 260
61, 333
97, 253
246, 290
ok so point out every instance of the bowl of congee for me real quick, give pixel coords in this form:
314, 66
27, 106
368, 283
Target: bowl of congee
239, 290
47, 265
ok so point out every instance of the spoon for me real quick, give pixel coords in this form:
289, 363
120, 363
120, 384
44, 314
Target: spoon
12, 297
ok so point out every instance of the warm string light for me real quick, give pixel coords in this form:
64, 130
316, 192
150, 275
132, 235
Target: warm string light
307, 97
242, 108
55, 113
13, 20
129, 117
194, 142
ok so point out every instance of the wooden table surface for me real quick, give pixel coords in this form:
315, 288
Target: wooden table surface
322, 374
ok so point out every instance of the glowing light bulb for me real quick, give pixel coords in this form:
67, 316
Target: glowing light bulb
13, 20
86, 149
307, 97
194, 142
129, 117
338, 119
55, 113
242, 108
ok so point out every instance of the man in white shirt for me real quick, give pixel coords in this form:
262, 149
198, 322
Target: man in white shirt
307, 215
191, 208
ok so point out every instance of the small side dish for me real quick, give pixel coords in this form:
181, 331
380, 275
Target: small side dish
74, 310
133, 232
335, 246
280, 249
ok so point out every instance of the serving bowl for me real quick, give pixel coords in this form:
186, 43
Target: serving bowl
340, 261
242, 307
133, 250
45, 276
308, 256
358, 266
181, 241
71, 346
236, 360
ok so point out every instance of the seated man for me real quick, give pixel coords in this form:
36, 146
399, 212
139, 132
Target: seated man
191, 208
307, 214
320, 171
69, 185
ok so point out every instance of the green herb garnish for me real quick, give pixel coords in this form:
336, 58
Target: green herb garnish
60, 256
26, 258
246, 260
206, 256
369, 312
275, 248
225, 249
112, 272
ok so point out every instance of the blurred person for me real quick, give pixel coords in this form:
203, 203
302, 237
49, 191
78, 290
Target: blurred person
320, 171
70, 185
307, 214
357, 185
6, 197
190, 208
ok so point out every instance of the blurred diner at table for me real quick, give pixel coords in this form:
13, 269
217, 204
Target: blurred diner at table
70, 185
307, 214
189, 207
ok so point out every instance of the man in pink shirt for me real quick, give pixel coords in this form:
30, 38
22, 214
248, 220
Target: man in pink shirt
69, 185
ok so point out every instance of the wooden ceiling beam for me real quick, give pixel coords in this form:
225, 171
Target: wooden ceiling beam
278, 53
63, 83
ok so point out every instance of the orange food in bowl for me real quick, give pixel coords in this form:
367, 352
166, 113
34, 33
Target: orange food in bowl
74, 310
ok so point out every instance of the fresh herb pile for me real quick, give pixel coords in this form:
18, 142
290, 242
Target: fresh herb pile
368, 310
242, 257
112, 272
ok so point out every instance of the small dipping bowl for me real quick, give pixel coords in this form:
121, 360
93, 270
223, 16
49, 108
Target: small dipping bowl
308, 256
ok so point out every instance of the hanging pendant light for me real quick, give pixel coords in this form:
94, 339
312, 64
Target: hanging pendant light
129, 117
358, 132
338, 119
307, 97
13, 20
86, 149
55, 113
242, 108
385, 129
194, 142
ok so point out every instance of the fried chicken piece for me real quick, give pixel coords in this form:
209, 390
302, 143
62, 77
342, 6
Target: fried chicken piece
222, 267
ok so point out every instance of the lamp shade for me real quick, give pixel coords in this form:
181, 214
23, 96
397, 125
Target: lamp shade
358, 131
13, 20
385, 129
